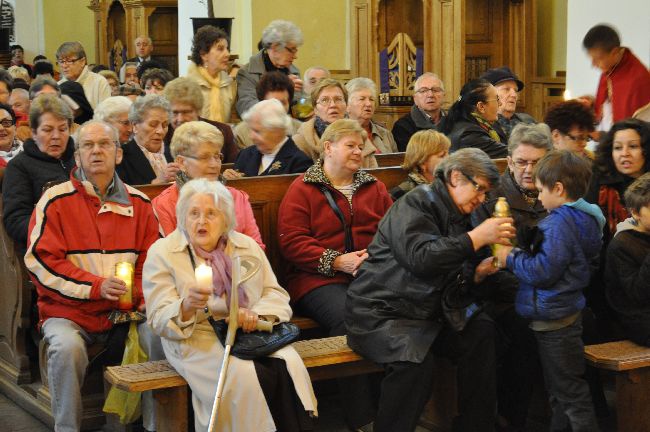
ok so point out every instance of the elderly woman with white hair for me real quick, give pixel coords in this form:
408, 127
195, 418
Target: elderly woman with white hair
280, 42
265, 394
362, 102
144, 156
273, 152
115, 111
196, 148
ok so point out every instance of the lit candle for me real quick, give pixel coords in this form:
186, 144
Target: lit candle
203, 275
567, 95
124, 271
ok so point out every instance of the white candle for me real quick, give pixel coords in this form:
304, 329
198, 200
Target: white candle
567, 95
203, 275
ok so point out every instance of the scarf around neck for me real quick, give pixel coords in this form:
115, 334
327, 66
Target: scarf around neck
215, 94
486, 126
320, 125
222, 272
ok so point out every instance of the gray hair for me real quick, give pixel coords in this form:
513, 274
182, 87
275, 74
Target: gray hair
313, 68
471, 162
111, 107
281, 32
416, 85
39, 83
112, 132
130, 64
21, 92
143, 37
19, 72
537, 135
145, 103
70, 48
48, 103
271, 113
189, 135
222, 199
361, 83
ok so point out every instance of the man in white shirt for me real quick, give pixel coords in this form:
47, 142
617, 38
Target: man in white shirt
71, 58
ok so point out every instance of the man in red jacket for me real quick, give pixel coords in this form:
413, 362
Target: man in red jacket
624, 84
79, 231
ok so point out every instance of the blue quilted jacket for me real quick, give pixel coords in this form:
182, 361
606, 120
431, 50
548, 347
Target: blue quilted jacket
552, 279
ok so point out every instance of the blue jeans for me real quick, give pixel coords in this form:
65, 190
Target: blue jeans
561, 353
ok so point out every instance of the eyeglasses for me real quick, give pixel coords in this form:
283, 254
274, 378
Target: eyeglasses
293, 51
434, 90
523, 164
326, 101
103, 145
477, 187
579, 138
217, 157
68, 62
492, 100
6, 123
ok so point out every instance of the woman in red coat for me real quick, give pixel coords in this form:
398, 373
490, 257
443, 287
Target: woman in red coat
325, 245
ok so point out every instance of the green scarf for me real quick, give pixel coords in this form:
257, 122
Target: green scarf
486, 126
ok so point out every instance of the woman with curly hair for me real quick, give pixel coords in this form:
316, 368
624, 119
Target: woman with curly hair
571, 122
209, 68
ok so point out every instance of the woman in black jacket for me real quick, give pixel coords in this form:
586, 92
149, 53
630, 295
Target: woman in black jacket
393, 311
471, 120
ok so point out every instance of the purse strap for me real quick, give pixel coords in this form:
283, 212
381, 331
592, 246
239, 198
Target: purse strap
347, 229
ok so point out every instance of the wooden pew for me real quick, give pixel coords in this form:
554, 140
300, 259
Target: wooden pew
389, 159
631, 363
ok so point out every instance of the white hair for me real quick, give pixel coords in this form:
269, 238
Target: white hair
361, 83
281, 32
315, 68
112, 132
222, 199
271, 113
416, 86
111, 107
20, 92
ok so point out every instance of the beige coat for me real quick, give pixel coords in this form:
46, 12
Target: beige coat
192, 347
227, 93
383, 139
308, 141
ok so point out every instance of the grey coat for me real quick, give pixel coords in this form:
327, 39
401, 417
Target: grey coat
393, 310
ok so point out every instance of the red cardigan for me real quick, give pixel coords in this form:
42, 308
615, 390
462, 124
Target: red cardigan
630, 82
310, 234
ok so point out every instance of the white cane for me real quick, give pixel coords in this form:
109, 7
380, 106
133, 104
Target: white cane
254, 264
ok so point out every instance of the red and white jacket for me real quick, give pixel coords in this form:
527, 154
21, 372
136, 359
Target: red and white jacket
75, 241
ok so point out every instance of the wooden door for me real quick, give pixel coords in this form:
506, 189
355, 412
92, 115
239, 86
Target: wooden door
485, 32
163, 31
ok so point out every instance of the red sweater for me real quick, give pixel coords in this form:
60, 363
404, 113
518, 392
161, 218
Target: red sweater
310, 234
630, 81
75, 242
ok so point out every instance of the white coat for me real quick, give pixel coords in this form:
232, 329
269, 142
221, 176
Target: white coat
192, 347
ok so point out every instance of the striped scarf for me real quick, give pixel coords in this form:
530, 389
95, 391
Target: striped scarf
486, 126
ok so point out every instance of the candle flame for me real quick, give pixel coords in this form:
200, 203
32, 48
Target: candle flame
567, 95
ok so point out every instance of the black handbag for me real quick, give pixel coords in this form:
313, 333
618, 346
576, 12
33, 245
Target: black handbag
458, 305
249, 346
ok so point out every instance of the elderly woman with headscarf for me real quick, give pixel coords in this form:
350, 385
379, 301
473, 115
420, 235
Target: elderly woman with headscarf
143, 160
196, 148
47, 157
266, 394
280, 42
328, 100
425, 150
274, 151
209, 69
471, 120
115, 111
393, 314
362, 102
325, 222
186, 100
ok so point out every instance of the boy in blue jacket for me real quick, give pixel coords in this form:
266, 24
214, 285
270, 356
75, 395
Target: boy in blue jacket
552, 277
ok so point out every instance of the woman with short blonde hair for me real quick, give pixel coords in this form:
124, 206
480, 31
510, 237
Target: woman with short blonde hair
425, 150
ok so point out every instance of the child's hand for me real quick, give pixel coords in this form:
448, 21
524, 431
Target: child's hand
484, 269
502, 255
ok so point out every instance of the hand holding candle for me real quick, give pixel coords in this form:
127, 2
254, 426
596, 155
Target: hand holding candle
124, 271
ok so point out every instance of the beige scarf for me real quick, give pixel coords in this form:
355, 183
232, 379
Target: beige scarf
215, 94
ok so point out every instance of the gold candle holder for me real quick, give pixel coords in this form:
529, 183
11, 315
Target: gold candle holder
124, 271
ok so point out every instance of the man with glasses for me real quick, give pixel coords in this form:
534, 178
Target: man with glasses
79, 231
71, 58
571, 122
280, 43
426, 113
508, 86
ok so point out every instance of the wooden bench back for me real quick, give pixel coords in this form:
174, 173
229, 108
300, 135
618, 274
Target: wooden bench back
389, 159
